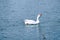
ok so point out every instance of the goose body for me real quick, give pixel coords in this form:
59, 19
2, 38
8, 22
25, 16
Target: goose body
27, 21
30, 21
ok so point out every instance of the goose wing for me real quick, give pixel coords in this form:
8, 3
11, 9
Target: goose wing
27, 20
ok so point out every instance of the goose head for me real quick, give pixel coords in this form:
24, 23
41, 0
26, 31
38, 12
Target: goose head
39, 15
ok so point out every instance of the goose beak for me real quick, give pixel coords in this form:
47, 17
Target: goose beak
40, 14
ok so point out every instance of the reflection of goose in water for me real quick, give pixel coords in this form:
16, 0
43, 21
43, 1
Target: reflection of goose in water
27, 21
31, 25
32, 32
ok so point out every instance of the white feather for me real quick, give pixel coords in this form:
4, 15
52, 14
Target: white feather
27, 21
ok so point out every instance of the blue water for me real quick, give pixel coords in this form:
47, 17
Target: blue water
13, 13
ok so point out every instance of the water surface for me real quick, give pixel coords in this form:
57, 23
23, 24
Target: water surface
13, 13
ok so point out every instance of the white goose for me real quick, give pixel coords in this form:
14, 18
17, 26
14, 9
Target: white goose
27, 21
